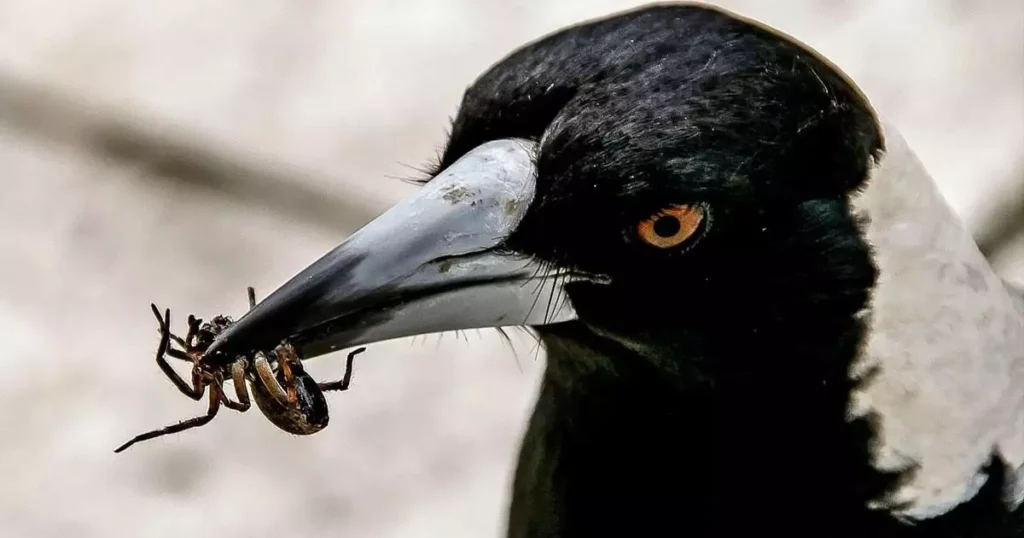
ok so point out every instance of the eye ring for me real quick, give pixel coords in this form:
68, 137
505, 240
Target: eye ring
674, 225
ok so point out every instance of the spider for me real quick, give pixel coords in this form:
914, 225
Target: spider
288, 396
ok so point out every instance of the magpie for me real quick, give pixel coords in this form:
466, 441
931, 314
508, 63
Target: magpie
759, 313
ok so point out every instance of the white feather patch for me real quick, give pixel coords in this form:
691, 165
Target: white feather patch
947, 336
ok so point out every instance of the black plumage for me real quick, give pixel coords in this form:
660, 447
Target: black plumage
704, 392
737, 379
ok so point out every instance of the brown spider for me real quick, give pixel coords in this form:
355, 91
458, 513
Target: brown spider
288, 396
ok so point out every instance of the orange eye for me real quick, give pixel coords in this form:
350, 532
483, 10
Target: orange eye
672, 226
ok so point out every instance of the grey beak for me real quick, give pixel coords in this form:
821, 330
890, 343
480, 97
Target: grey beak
432, 263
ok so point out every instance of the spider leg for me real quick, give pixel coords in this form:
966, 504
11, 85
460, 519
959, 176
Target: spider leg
178, 354
269, 380
285, 358
193, 331
179, 340
215, 399
194, 391
343, 384
241, 389
164, 327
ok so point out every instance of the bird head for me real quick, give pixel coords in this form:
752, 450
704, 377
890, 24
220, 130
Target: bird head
662, 171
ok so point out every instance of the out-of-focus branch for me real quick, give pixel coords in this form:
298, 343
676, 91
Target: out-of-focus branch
174, 155
1005, 221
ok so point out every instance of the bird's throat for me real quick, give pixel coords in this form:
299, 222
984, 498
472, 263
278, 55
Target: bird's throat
736, 420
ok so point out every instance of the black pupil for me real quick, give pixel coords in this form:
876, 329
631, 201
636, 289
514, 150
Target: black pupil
667, 226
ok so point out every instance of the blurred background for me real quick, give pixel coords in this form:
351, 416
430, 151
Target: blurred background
176, 151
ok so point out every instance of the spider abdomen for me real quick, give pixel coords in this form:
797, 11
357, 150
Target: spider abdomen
310, 413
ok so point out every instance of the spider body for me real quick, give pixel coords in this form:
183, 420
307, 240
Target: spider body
288, 396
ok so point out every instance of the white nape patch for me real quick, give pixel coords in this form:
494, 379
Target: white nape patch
947, 337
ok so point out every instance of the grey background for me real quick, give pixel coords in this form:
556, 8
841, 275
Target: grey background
178, 150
